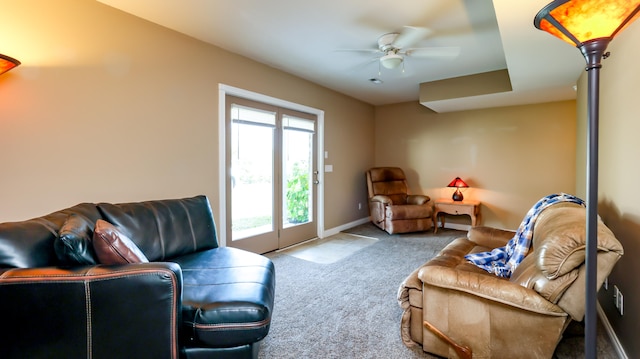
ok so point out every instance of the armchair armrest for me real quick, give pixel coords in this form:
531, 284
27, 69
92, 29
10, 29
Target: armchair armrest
381, 199
128, 311
489, 287
490, 237
417, 199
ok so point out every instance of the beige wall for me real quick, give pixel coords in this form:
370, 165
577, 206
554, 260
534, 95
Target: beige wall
108, 107
619, 173
509, 156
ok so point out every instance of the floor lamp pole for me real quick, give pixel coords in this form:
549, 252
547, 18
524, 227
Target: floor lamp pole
593, 52
589, 25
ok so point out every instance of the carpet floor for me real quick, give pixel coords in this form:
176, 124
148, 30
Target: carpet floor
347, 308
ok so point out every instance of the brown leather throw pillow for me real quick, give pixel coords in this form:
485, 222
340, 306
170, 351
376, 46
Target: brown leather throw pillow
113, 247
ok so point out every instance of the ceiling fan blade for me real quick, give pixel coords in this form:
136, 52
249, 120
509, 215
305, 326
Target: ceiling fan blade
447, 52
409, 36
362, 65
370, 51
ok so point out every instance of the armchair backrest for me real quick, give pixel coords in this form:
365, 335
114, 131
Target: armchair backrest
555, 267
388, 181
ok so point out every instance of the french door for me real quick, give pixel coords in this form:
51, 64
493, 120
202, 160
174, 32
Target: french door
272, 175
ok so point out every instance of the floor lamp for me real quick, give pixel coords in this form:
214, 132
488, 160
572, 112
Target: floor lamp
589, 25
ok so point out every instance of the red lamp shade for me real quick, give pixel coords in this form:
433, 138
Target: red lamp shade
7, 63
579, 21
458, 183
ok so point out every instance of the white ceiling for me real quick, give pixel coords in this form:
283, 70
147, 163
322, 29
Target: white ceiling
304, 38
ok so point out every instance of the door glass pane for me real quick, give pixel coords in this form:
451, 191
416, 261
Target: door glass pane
297, 167
252, 141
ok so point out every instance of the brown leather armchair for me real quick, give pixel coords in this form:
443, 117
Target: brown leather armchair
450, 304
390, 206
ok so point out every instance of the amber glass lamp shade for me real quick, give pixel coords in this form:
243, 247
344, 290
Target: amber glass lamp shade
457, 183
580, 21
7, 63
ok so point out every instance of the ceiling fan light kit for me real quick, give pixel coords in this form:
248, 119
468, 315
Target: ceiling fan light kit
393, 47
391, 60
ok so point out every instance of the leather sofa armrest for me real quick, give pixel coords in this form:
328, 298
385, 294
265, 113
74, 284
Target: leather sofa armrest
490, 237
128, 311
381, 199
417, 199
489, 287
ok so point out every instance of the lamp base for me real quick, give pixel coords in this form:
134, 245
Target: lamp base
457, 195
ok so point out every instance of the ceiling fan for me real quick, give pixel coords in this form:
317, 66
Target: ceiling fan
395, 46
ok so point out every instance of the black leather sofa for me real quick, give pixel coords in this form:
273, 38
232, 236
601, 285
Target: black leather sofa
193, 299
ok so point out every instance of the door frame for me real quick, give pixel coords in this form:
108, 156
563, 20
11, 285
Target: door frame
223, 91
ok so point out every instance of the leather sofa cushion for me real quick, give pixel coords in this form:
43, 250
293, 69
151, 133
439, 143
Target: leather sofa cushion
73, 244
165, 229
384, 174
30, 243
560, 240
227, 297
389, 181
113, 247
528, 275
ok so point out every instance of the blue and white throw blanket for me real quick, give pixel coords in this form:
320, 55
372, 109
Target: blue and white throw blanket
503, 261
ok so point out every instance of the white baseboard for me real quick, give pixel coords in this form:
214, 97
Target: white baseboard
336, 230
612, 334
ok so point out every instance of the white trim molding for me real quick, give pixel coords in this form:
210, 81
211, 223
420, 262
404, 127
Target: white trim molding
612, 334
336, 230
225, 90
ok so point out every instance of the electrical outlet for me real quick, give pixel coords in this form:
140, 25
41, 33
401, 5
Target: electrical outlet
618, 299
620, 303
359, 206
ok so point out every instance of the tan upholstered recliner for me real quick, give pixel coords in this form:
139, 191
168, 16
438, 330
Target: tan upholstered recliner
391, 207
520, 317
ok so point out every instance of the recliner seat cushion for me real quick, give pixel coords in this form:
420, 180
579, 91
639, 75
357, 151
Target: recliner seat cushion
228, 296
408, 211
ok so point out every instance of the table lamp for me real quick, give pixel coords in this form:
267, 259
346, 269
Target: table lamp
457, 183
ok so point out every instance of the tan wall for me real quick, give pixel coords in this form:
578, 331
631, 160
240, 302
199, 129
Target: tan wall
109, 107
509, 156
619, 175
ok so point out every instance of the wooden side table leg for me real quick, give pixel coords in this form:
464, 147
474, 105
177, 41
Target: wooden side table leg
435, 222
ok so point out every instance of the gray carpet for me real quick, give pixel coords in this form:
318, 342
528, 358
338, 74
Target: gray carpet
348, 309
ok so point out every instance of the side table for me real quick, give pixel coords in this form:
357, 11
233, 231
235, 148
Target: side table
448, 206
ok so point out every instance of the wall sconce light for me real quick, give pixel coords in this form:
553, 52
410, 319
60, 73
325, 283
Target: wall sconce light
7, 63
457, 183
589, 25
